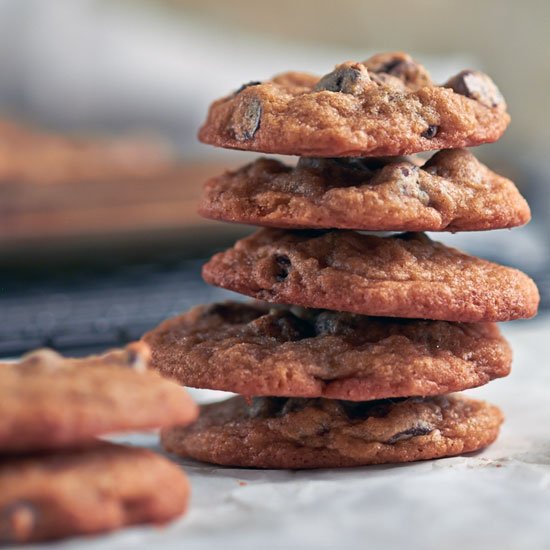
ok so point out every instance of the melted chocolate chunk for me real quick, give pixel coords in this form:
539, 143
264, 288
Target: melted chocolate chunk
282, 267
296, 404
361, 410
266, 407
359, 166
284, 326
394, 66
415, 431
329, 322
390, 68
347, 171
249, 120
233, 313
476, 85
348, 78
247, 85
430, 132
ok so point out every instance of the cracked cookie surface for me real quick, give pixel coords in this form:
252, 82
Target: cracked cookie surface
81, 492
326, 433
49, 402
406, 275
254, 350
386, 105
452, 191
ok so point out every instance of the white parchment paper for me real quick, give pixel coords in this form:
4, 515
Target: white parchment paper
499, 498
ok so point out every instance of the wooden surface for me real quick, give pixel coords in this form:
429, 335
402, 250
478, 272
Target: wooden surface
34, 215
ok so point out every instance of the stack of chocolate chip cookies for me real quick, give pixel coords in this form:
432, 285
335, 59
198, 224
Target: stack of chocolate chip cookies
356, 341
56, 478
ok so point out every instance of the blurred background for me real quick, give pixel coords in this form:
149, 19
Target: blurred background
100, 169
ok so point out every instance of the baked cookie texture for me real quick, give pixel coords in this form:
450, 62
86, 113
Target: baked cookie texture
386, 105
323, 433
406, 275
81, 492
256, 350
49, 402
452, 191
355, 362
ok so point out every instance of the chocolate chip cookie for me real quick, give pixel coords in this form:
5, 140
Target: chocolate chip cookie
81, 492
255, 350
452, 191
325, 433
386, 105
49, 402
406, 275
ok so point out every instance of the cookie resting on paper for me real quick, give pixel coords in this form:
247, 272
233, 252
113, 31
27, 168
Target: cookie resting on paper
325, 433
81, 492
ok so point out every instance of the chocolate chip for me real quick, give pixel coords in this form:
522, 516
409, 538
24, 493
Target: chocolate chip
282, 267
282, 325
348, 78
247, 120
405, 70
269, 407
399, 66
323, 429
359, 164
332, 323
233, 313
408, 181
394, 66
247, 85
356, 410
266, 407
476, 85
440, 171
293, 328
311, 163
430, 132
403, 170
296, 404
346, 171
325, 165
415, 431
222, 310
